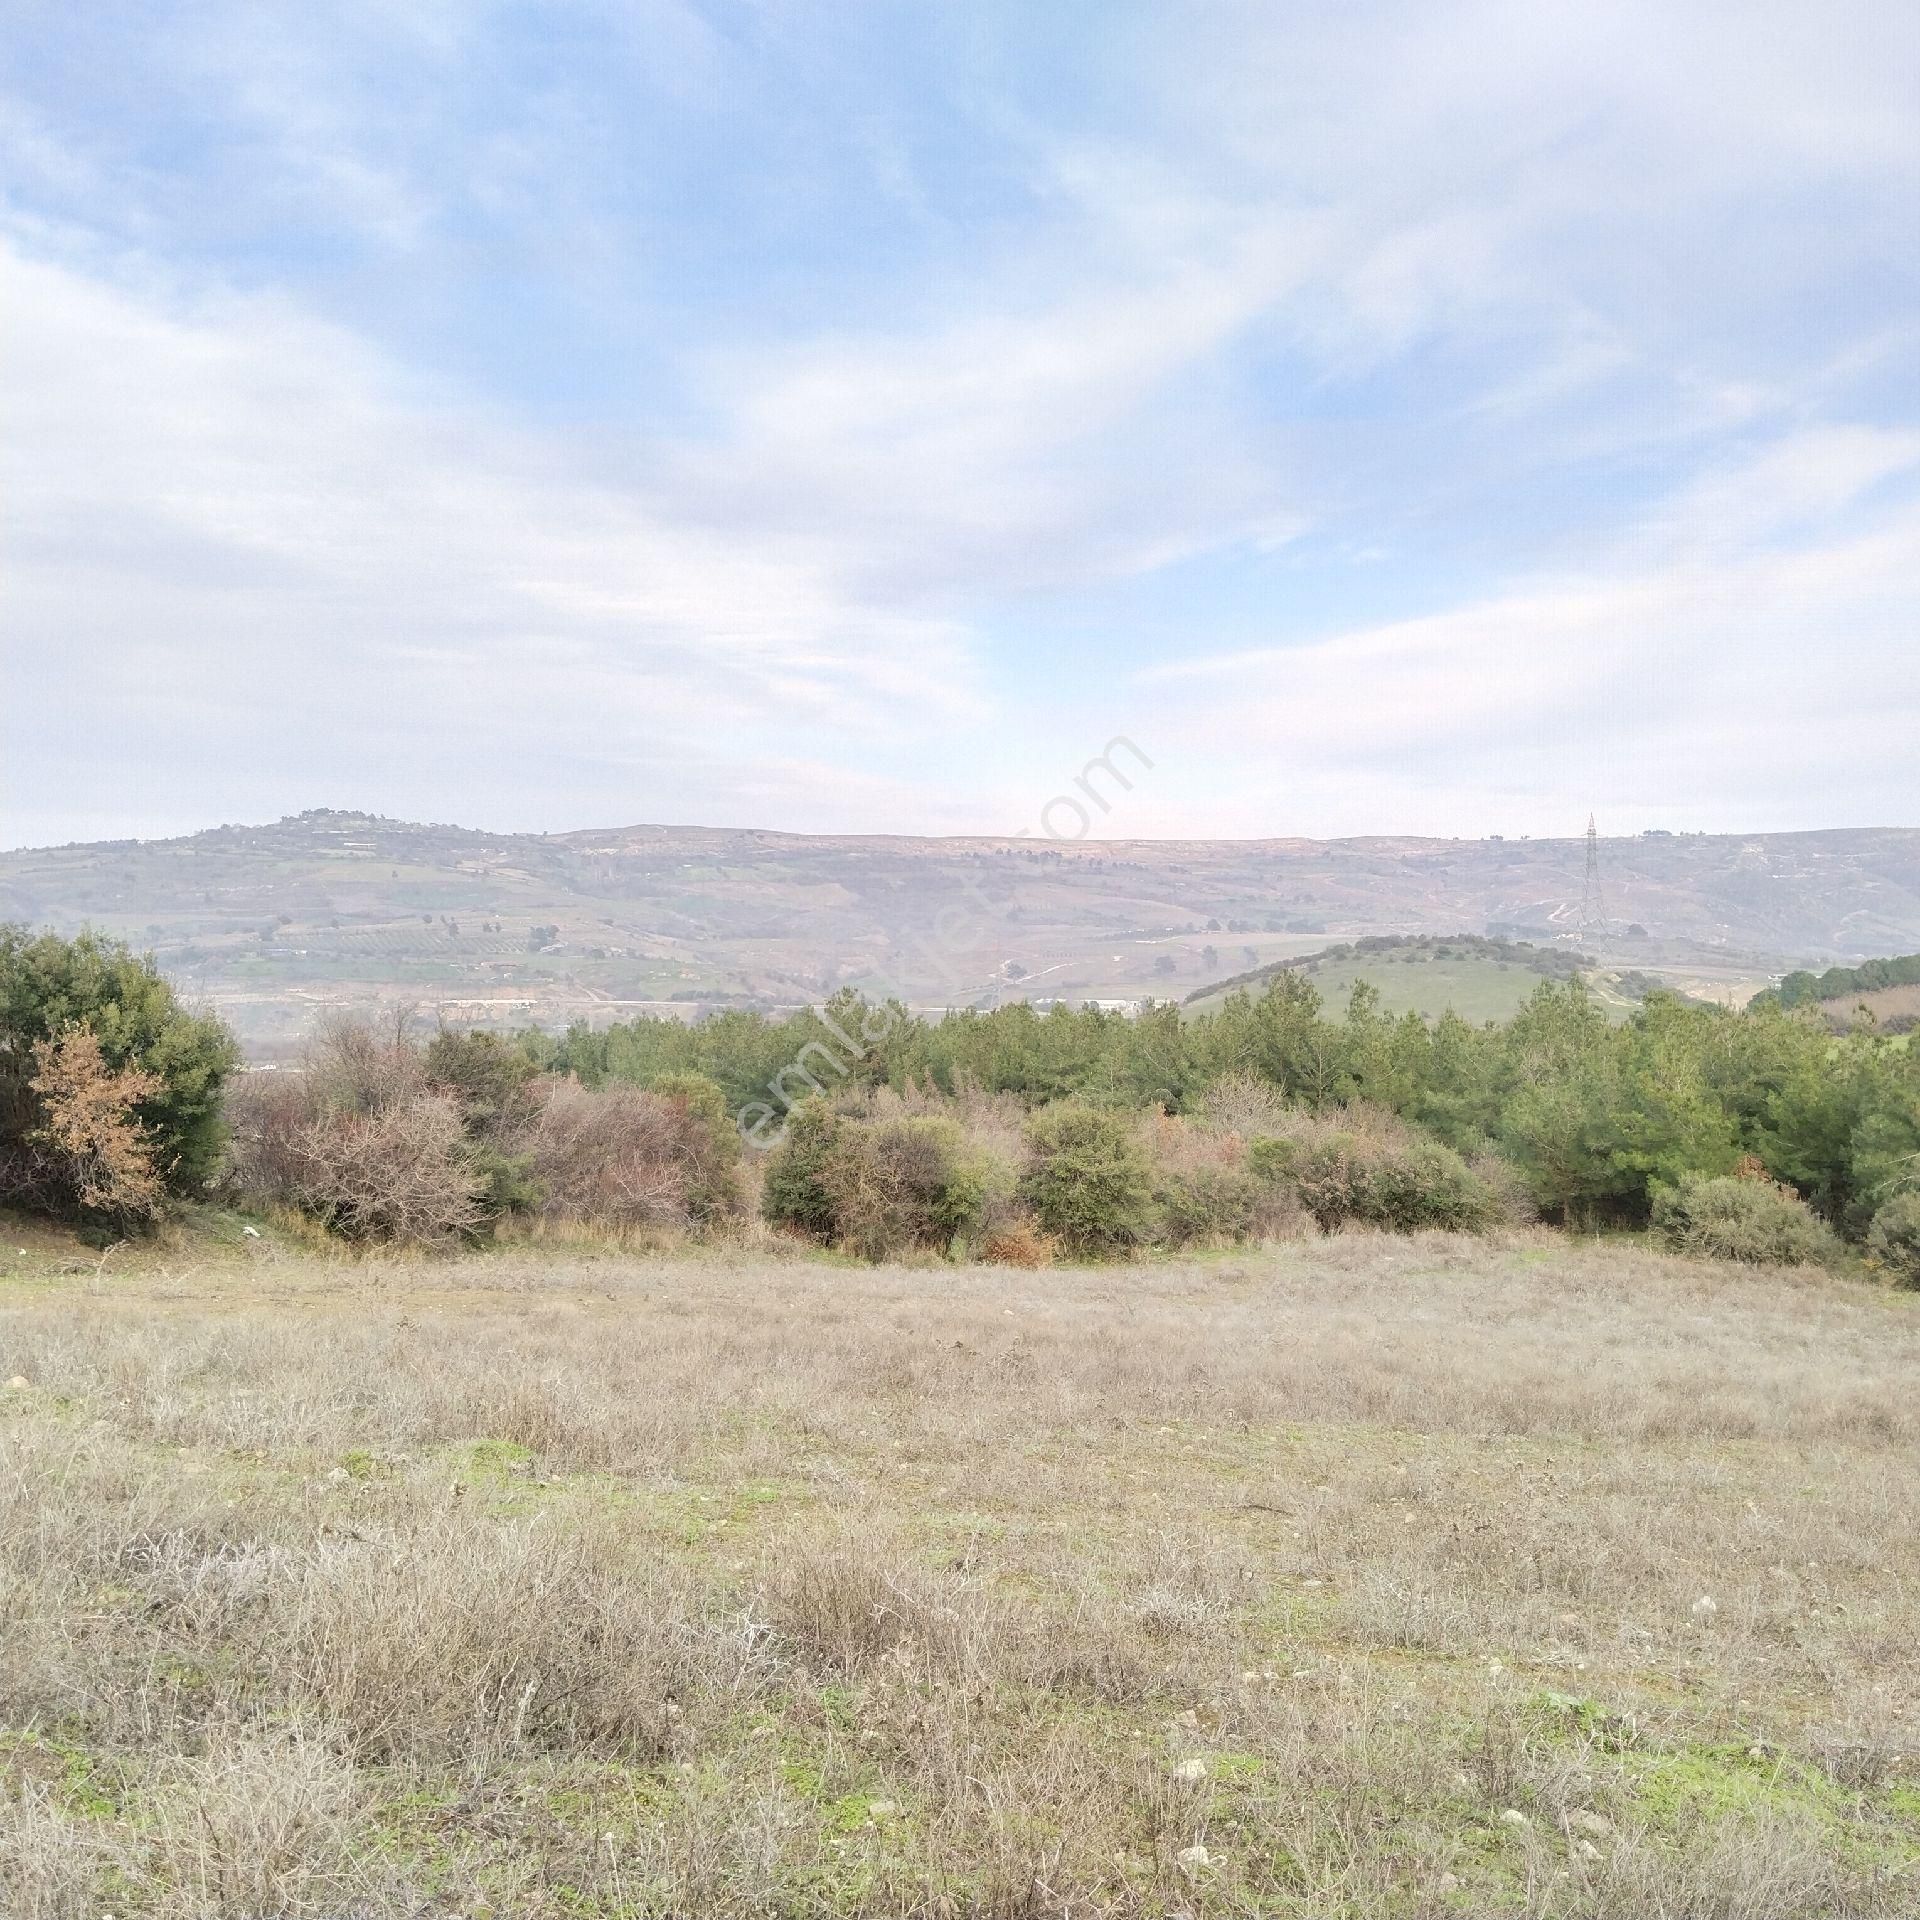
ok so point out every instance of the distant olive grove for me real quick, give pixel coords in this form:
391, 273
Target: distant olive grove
1014, 1134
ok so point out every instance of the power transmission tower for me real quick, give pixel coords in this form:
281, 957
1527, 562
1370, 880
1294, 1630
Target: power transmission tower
1593, 905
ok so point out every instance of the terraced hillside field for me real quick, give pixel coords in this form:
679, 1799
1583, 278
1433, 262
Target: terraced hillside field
1359, 1577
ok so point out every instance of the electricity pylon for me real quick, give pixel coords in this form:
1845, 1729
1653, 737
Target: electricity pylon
1593, 905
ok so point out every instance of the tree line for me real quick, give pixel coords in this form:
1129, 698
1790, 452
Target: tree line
1597, 1117
1089, 1127
1805, 988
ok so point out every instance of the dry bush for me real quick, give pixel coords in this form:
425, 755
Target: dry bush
357, 1140
1018, 1243
994, 1123
52, 1861
609, 1156
395, 1173
853, 1595
1244, 1104
1513, 1199
351, 1066
258, 1824
267, 1115
379, 1140
484, 1640
707, 1148
89, 1127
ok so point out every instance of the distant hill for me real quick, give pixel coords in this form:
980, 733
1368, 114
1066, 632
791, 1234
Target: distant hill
274, 923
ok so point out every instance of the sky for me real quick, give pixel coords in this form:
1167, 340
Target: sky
1442, 417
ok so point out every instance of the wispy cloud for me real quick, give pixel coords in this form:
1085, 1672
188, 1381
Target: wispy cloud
683, 410
255, 535
1716, 674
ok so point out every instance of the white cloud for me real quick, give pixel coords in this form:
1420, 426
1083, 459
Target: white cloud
1360, 271
1713, 676
234, 533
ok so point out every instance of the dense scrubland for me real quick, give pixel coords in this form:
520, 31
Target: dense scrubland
1014, 1135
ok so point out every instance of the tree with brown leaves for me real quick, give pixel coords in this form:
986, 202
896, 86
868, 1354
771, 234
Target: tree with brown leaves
100, 1150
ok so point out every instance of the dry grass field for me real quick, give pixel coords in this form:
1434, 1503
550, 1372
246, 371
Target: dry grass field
1358, 1577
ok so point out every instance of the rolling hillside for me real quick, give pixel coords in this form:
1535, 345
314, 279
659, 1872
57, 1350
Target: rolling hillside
1477, 978
274, 923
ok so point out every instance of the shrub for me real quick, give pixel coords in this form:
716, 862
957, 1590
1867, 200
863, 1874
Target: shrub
506, 1181
1730, 1218
1512, 1199
49, 986
619, 1157
707, 1145
266, 1113
795, 1194
360, 1140
88, 1131
1210, 1186
1366, 1164
397, 1173
878, 1187
609, 1156
895, 1184
1019, 1243
1087, 1180
490, 1080
1425, 1184
1406, 1186
1894, 1237
352, 1067
1241, 1103
1206, 1204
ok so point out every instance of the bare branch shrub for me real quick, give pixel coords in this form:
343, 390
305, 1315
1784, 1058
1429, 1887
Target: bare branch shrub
393, 1174
359, 1140
259, 1825
608, 1155
353, 1067
1242, 1103
267, 1115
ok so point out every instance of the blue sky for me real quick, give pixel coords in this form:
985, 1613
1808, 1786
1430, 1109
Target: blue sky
1415, 418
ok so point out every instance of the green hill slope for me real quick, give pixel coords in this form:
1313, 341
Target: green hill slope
1477, 978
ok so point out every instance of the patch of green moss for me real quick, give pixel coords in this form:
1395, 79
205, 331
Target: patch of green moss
496, 1459
1702, 1784
71, 1773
